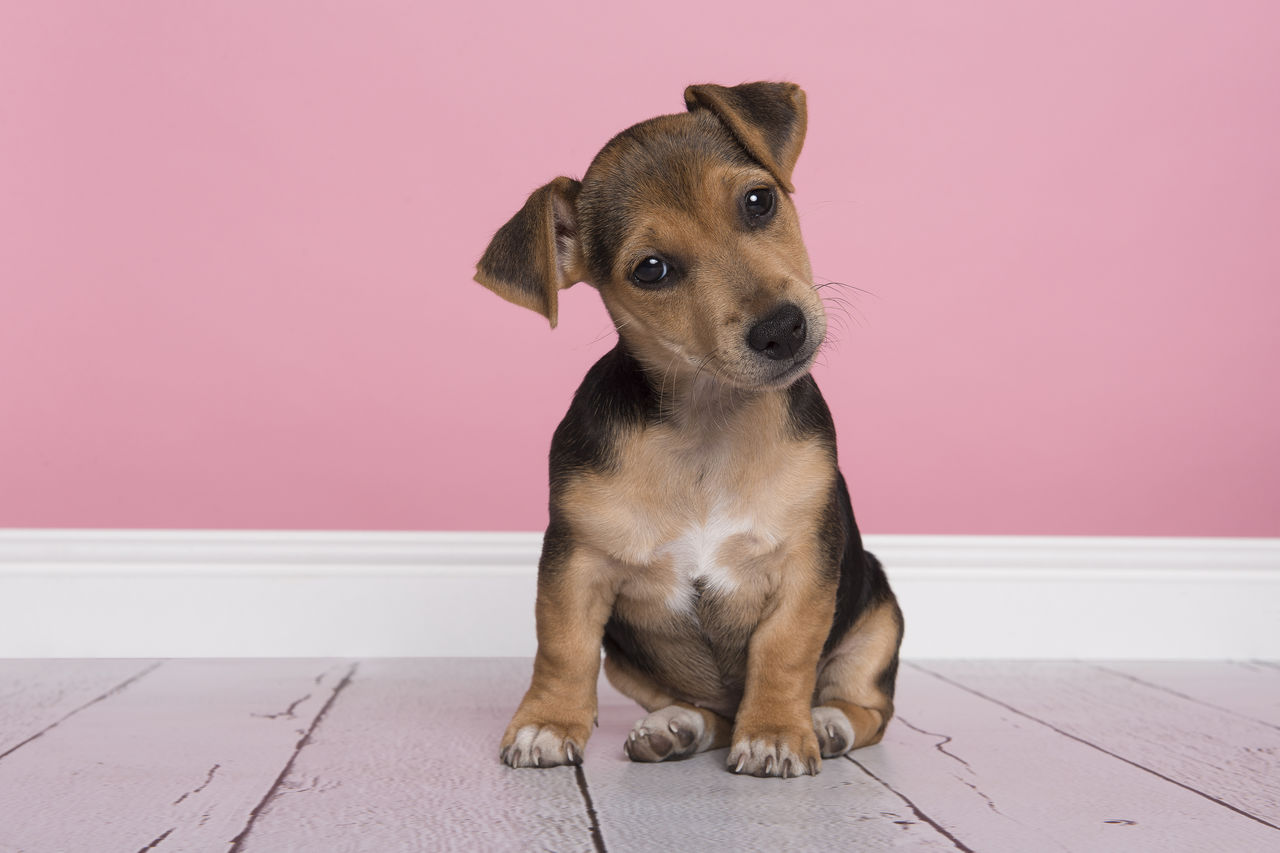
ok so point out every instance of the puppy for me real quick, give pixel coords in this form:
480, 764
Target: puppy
699, 525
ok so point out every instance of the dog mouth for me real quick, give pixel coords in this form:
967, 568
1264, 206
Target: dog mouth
788, 374
782, 374
750, 372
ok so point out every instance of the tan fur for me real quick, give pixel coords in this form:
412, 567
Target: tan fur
676, 474
675, 477
572, 607
737, 277
848, 677
679, 476
781, 674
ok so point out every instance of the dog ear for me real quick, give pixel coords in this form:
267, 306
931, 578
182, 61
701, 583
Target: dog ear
768, 119
537, 253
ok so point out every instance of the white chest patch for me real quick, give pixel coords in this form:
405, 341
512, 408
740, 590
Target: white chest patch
697, 554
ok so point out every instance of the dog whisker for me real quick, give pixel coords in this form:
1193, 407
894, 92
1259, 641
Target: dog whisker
667, 406
616, 327
838, 307
826, 282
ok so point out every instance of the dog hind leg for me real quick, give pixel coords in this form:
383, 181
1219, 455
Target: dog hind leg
853, 699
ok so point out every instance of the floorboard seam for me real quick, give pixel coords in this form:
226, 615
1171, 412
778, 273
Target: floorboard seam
1103, 750
597, 838
960, 845
112, 692
1136, 680
297, 750
160, 840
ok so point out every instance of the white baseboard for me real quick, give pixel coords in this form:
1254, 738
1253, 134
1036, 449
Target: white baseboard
79, 593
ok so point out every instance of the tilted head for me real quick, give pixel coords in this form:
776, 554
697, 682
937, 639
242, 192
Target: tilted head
685, 225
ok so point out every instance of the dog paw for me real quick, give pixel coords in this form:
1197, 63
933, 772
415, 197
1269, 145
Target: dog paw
672, 732
540, 746
835, 733
783, 753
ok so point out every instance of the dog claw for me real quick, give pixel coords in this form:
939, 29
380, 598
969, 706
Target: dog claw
813, 767
742, 762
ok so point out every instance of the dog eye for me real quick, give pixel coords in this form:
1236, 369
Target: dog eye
759, 203
650, 271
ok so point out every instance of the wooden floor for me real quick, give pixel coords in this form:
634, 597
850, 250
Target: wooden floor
401, 755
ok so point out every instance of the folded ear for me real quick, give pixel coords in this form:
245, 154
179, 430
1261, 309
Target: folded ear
768, 119
537, 253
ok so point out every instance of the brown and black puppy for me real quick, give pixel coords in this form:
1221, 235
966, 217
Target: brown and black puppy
700, 527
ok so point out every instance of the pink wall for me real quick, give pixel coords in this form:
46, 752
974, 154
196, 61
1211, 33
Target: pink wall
236, 243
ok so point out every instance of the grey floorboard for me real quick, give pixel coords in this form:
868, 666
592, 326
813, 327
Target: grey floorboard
388, 755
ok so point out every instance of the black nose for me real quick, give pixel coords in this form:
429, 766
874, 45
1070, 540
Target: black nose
779, 335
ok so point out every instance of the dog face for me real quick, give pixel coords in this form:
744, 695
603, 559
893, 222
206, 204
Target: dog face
696, 251
685, 225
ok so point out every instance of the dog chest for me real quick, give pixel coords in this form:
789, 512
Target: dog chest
710, 555
681, 524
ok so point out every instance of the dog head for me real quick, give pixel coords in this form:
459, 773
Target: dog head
685, 225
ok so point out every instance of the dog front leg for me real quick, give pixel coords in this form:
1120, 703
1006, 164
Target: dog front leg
773, 731
554, 720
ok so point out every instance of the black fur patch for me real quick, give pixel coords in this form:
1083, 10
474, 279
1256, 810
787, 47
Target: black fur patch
614, 394
862, 580
810, 417
621, 643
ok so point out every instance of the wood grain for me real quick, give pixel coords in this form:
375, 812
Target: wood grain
1224, 758
176, 760
36, 695
263, 756
407, 760
1248, 689
999, 782
698, 805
